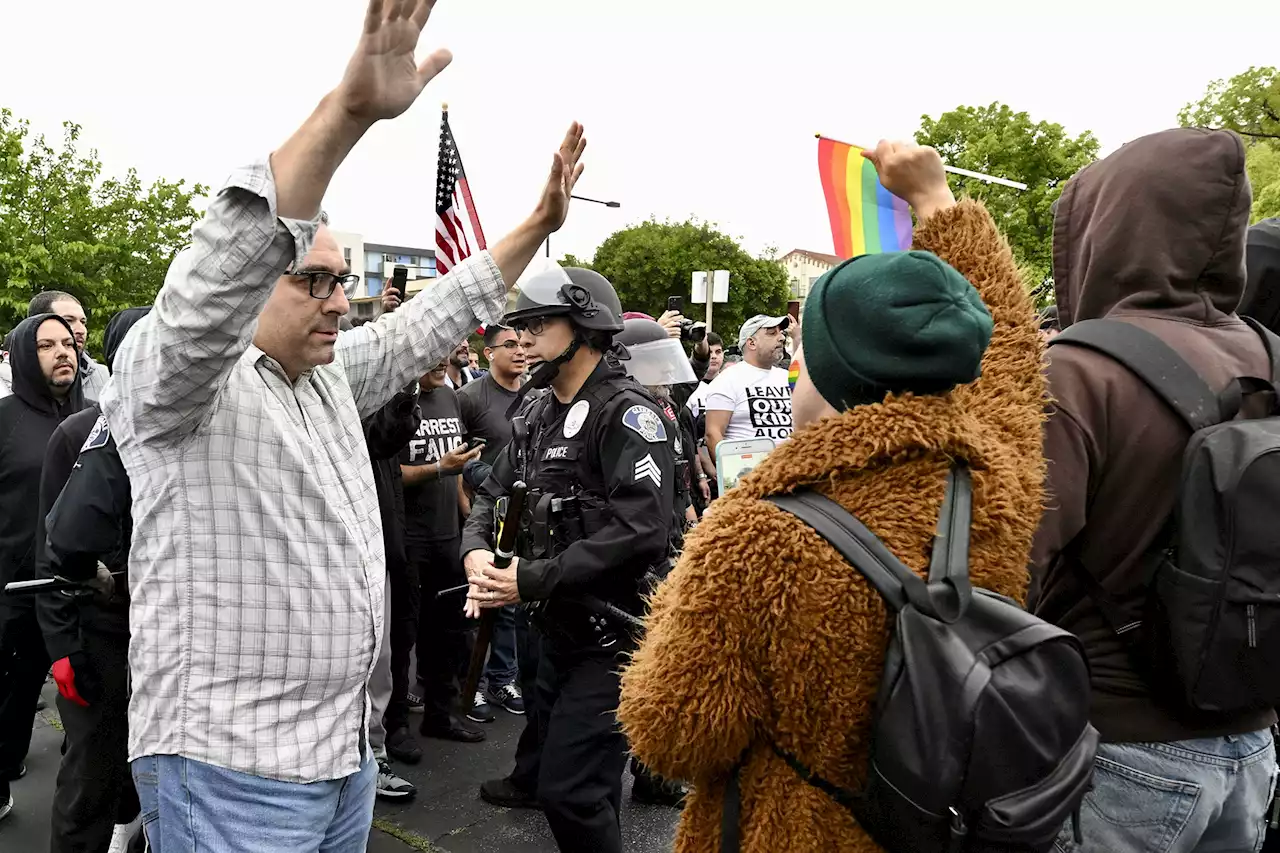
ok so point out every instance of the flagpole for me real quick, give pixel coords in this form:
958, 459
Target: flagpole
955, 170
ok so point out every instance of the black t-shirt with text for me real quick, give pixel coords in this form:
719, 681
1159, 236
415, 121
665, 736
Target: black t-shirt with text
484, 405
431, 510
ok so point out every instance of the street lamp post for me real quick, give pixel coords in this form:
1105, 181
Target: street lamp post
584, 198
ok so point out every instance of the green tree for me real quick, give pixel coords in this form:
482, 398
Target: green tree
107, 241
997, 141
574, 261
1249, 104
652, 261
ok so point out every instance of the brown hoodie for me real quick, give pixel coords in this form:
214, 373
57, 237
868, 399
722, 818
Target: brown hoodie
764, 635
1153, 235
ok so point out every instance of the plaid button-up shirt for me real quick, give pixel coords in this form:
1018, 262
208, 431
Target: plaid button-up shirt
257, 564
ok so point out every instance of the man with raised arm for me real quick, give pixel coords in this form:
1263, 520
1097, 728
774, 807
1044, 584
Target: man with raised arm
257, 565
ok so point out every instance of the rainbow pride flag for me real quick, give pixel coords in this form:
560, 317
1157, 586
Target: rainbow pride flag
865, 217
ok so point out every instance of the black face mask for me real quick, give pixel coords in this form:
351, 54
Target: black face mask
544, 374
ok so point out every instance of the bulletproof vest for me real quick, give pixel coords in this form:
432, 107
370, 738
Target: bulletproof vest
559, 466
568, 500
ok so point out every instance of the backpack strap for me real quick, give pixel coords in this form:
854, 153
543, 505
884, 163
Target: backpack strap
858, 545
948, 592
949, 565
1271, 342
731, 817
1153, 361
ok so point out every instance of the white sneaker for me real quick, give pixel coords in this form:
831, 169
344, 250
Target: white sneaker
6, 808
120, 836
391, 786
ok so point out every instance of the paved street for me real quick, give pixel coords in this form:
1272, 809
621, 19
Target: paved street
446, 817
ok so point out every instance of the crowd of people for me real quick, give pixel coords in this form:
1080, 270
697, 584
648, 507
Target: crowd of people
993, 584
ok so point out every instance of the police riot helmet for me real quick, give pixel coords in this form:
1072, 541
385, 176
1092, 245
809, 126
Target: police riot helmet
584, 296
652, 357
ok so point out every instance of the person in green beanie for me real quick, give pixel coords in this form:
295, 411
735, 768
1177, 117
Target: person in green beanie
763, 636
889, 324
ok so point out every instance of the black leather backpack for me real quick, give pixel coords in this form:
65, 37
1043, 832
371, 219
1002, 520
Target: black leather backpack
981, 738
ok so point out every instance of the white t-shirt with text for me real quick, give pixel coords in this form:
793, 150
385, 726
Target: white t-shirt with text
759, 399
698, 399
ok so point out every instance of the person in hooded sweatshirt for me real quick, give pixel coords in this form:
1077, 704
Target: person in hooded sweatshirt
46, 390
1261, 299
1152, 236
93, 376
1262, 302
763, 636
85, 531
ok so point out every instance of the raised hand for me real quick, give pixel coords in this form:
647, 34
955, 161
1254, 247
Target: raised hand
914, 174
565, 171
390, 297
383, 79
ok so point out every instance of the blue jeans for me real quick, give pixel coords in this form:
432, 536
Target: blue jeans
1191, 796
502, 668
192, 807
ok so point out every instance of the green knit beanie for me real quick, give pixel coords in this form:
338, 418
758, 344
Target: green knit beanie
893, 322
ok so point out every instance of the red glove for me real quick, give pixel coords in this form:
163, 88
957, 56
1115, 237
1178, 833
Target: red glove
65, 675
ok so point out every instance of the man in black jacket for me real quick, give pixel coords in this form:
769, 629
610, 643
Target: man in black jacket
386, 432
46, 389
85, 531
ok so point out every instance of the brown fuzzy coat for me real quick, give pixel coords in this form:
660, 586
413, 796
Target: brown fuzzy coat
764, 634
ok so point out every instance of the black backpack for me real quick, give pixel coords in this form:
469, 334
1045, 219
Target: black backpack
981, 738
1208, 633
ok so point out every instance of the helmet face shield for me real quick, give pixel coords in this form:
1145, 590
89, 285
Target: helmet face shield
539, 296
660, 362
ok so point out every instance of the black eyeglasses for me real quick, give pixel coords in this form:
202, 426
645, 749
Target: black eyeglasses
322, 283
534, 325
508, 346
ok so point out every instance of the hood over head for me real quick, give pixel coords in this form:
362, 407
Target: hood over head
1157, 227
117, 327
29, 384
1262, 260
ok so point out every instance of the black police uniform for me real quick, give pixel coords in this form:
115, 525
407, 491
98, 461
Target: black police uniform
683, 451
601, 476
90, 521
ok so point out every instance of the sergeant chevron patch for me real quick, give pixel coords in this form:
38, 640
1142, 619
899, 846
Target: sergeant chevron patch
646, 468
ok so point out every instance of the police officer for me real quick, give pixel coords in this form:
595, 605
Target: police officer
657, 361
87, 522
597, 458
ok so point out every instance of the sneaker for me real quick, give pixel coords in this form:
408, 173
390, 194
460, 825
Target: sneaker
505, 793
482, 711
402, 746
416, 705
14, 775
451, 729
509, 698
391, 786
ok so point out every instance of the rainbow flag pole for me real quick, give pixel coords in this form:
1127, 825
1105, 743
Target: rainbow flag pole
865, 217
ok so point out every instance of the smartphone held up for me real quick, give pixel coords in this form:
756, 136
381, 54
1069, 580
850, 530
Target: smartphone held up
399, 277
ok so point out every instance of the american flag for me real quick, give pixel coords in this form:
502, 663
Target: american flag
452, 197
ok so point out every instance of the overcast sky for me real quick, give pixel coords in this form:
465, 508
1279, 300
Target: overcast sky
692, 107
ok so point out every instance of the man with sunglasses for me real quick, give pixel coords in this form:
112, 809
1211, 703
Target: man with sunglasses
257, 564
